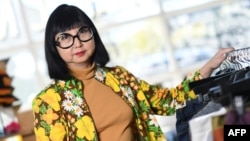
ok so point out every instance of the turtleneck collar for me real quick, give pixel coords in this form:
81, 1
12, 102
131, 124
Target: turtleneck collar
85, 73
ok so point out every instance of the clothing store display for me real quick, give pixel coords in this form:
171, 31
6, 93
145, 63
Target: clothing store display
236, 60
183, 115
8, 120
201, 127
218, 123
233, 118
167, 124
209, 108
223, 99
6, 90
207, 91
171, 135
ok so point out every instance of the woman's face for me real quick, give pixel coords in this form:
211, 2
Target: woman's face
76, 53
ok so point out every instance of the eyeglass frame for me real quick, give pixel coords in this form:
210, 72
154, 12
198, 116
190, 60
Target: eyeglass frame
76, 36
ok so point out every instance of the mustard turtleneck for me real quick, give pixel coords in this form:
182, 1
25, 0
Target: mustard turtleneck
112, 115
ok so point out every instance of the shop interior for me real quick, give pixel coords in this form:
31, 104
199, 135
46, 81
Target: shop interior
160, 41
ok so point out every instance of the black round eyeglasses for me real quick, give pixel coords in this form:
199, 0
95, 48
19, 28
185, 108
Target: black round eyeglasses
66, 40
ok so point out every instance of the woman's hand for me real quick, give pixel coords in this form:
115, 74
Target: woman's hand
215, 61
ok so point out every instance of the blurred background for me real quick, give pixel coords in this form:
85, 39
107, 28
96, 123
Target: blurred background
159, 41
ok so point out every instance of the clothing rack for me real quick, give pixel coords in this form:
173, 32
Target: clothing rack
222, 99
236, 59
226, 103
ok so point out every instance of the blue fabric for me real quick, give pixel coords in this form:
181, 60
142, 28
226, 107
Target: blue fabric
171, 135
183, 115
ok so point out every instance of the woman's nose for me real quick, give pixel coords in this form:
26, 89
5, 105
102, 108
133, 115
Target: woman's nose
77, 42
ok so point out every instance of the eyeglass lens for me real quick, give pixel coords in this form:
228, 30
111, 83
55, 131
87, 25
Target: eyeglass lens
66, 40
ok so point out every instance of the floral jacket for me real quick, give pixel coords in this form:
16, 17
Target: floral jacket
54, 123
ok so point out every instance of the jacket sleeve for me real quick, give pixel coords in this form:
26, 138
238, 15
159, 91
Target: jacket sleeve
48, 124
165, 101
153, 99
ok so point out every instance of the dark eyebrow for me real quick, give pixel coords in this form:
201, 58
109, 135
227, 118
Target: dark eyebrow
65, 33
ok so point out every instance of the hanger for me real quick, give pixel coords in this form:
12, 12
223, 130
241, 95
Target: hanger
198, 83
202, 87
238, 104
236, 59
235, 95
219, 88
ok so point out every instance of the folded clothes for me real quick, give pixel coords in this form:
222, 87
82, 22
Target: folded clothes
5, 80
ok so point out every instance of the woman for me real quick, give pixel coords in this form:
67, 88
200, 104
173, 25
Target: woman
88, 101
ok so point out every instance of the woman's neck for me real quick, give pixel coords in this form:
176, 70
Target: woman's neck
79, 66
83, 73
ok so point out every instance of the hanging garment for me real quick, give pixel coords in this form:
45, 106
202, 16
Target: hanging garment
237, 99
201, 127
208, 90
184, 115
236, 60
6, 90
218, 127
235, 68
230, 93
209, 108
233, 118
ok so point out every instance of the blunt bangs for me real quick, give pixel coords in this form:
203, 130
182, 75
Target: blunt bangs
65, 21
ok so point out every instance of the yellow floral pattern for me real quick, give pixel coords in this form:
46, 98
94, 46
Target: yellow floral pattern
62, 114
50, 116
85, 128
57, 132
40, 134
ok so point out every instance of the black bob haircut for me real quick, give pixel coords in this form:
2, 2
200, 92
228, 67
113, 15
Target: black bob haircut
66, 17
